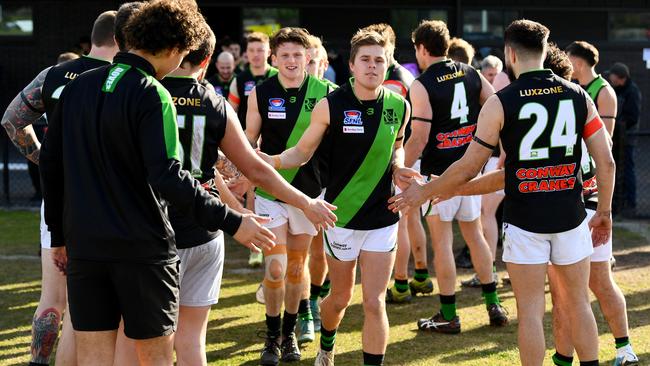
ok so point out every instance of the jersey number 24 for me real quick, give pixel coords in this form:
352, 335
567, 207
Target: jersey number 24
563, 133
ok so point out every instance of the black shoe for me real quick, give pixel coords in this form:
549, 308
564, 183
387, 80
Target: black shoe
437, 323
290, 350
463, 259
270, 355
498, 315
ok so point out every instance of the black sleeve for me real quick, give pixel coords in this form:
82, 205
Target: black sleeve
158, 139
51, 169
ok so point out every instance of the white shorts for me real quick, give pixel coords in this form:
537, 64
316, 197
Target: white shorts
602, 253
461, 208
524, 247
346, 244
46, 238
201, 269
491, 166
282, 213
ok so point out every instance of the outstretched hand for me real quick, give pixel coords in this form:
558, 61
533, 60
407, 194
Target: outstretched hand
253, 235
402, 177
413, 196
319, 212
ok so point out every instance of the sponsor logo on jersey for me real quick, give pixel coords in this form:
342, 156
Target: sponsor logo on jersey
390, 116
547, 179
310, 103
456, 138
541, 91
353, 129
451, 76
248, 87
340, 246
292, 99
276, 105
352, 117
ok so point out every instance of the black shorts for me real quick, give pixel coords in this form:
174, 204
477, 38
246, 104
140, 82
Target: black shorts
145, 295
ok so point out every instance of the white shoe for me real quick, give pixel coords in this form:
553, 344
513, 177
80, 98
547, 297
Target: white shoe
625, 356
259, 294
324, 358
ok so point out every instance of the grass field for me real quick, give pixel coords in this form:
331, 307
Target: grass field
237, 319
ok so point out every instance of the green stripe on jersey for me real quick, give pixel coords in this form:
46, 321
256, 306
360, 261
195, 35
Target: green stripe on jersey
316, 90
170, 128
594, 87
374, 165
114, 76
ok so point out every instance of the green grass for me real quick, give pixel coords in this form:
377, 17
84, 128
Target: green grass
236, 320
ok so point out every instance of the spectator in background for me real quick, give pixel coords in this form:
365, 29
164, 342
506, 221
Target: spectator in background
221, 80
627, 118
461, 51
235, 49
491, 66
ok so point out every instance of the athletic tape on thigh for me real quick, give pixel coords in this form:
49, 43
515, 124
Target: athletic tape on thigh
277, 253
296, 265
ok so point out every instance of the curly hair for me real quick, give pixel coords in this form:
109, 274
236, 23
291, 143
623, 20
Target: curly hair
205, 50
365, 38
558, 61
166, 24
295, 35
433, 35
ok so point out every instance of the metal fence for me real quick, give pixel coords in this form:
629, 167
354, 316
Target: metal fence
21, 188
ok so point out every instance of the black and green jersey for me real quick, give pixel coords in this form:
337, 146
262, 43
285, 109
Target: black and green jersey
589, 185
109, 164
60, 75
245, 82
221, 87
286, 114
361, 137
400, 77
201, 118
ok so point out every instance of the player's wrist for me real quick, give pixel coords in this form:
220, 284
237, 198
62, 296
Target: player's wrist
603, 213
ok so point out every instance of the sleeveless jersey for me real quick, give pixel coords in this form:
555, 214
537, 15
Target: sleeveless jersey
221, 87
201, 120
362, 135
286, 114
544, 119
454, 90
60, 75
246, 81
589, 185
399, 76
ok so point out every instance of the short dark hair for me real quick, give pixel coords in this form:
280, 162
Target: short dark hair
257, 37
386, 31
527, 36
433, 35
365, 38
295, 35
205, 50
585, 51
558, 61
103, 33
460, 50
165, 24
621, 70
66, 56
124, 12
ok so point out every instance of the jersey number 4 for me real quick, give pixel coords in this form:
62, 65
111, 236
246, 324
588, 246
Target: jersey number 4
459, 108
196, 142
563, 133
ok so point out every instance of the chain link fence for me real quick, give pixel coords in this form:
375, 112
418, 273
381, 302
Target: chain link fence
21, 185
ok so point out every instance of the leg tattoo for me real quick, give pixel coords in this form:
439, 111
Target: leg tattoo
45, 329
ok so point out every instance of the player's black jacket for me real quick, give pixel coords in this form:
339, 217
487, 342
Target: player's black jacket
109, 159
544, 118
60, 75
454, 90
201, 117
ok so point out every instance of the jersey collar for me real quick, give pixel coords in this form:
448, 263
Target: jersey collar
135, 61
351, 84
536, 72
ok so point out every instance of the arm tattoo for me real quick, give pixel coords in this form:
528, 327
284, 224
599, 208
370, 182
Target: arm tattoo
45, 329
226, 168
21, 113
